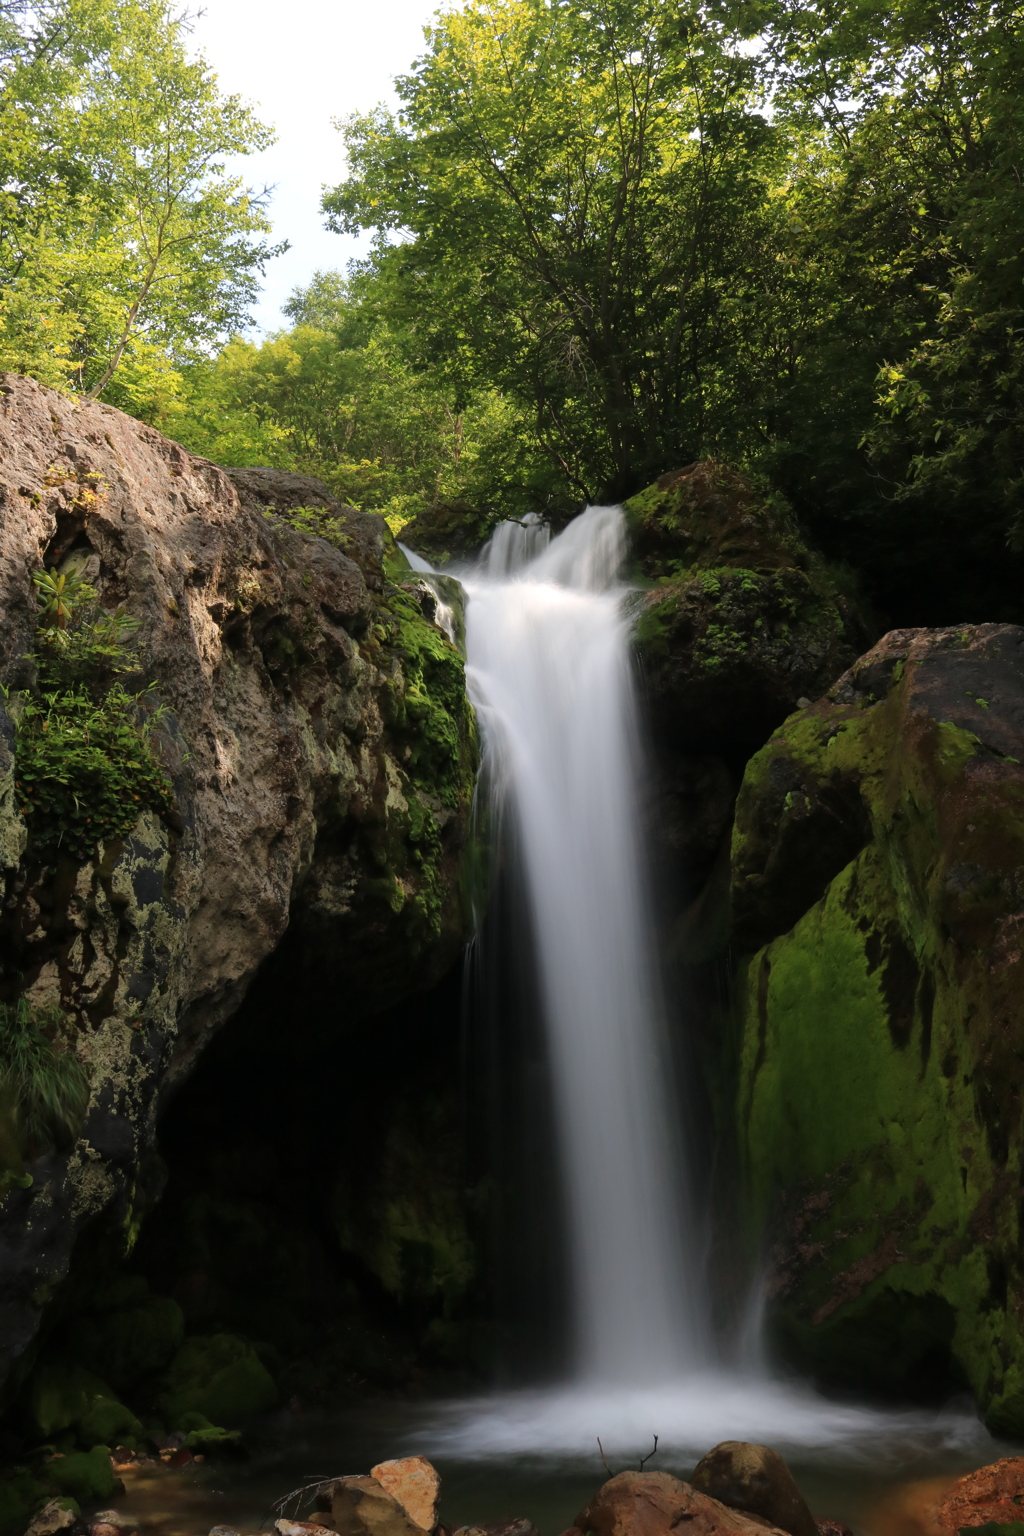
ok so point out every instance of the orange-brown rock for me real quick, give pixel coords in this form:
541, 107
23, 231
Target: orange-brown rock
994, 1493
415, 1484
657, 1504
361, 1507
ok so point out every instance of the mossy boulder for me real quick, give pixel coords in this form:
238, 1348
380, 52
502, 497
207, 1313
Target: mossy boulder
449, 531
741, 619
66, 1396
219, 1377
21, 1494
402, 1210
878, 860
85, 1476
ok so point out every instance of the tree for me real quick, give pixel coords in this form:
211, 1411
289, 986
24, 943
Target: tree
336, 396
914, 221
125, 247
583, 199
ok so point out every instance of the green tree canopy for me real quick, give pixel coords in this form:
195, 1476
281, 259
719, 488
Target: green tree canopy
125, 245
583, 200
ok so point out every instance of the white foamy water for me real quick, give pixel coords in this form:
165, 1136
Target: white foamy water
692, 1415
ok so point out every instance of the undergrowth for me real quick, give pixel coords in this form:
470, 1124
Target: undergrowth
44, 1089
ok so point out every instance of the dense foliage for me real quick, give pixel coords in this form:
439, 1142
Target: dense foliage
786, 235
343, 395
612, 236
125, 245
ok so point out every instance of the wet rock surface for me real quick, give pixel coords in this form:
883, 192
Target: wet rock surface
877, 1116
742, 619
737, 619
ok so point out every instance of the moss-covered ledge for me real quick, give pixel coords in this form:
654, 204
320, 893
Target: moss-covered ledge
741, 617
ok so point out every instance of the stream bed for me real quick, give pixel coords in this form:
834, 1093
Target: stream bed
882, 1476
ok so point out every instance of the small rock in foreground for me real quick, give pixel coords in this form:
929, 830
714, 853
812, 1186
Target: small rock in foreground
502, 1528
657, 1504
361, 1507
754, 1478
415, 1484
53, 1517
993, 1495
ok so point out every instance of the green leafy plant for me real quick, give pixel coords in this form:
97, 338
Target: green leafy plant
44, 1088
85, 765
60, 593
85, 771
90, 651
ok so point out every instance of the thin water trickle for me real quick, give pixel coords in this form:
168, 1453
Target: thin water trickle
549, 671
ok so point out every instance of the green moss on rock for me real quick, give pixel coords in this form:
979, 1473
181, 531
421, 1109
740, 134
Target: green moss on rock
405, 1218
133, 1336
741, 618
219, 1377
85, 1476
65, 1396
878, 1113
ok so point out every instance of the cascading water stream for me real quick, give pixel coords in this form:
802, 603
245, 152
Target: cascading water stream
549, 671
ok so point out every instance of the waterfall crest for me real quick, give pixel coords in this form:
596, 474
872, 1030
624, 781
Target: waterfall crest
549, 671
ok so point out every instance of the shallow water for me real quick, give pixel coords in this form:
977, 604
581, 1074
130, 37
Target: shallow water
535, 1454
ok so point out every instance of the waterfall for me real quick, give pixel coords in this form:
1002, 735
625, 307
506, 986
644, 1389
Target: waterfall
549, 670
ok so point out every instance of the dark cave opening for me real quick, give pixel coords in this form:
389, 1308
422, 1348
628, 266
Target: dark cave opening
320, 1200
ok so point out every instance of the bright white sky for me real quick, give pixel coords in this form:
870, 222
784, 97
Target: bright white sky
301, 63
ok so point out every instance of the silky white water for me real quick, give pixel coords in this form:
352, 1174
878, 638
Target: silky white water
549, 671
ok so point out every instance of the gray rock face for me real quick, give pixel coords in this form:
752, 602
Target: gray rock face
306, 696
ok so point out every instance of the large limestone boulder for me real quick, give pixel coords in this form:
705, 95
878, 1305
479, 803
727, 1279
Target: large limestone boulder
322, 756
878, 889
